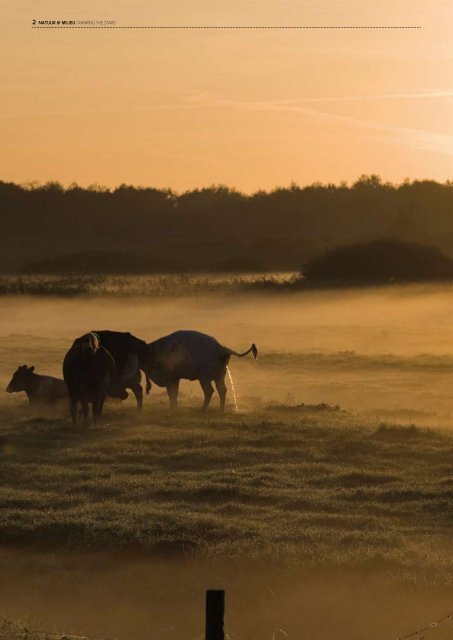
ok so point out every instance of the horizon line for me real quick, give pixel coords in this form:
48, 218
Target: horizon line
30, 185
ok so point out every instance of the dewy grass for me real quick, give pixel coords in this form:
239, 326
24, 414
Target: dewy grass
316, 488
22, 629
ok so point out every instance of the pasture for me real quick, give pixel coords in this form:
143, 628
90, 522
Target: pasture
315, 517
291, 510
312, 486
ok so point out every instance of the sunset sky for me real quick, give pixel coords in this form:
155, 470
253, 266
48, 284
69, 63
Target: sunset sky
251, 109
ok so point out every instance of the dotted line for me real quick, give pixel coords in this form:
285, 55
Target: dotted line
225, 27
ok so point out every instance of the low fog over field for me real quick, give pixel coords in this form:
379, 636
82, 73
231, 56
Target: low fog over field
383, 350
331, 519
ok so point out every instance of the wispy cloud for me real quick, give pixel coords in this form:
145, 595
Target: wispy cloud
416, 95
209, 101
414, 138
403, 95
420, 139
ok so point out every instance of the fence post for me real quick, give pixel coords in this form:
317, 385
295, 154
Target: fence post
215, 610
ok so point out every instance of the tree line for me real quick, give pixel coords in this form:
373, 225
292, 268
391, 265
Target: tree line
49, 228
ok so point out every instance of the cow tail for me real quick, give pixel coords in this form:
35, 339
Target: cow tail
148, 383
252, 349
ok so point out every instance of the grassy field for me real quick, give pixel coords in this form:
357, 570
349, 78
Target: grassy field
314, 487
293, 509
305, 513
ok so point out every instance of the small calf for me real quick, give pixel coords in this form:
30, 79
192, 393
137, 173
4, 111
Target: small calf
43, 390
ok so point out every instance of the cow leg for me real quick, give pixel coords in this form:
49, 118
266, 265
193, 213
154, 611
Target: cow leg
74, 410
85, 411
208, 390
99, 407
173, 390
221, 390
137, 390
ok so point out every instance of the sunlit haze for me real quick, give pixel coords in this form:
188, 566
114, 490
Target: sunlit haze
248, 108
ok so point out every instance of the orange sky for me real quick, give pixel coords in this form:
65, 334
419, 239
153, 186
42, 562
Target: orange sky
251, 109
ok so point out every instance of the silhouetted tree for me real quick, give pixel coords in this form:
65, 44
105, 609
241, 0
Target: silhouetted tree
205, 228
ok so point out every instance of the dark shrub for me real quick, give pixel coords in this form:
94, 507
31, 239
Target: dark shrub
379, 261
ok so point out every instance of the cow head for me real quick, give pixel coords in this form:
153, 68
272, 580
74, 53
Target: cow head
21, 379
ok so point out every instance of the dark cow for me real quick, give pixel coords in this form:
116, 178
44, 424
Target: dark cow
191, 355
130, 355
40, 390
88, 369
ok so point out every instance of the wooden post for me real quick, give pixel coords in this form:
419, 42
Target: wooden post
215, 610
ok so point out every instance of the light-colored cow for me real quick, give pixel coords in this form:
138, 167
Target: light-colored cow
191, 355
